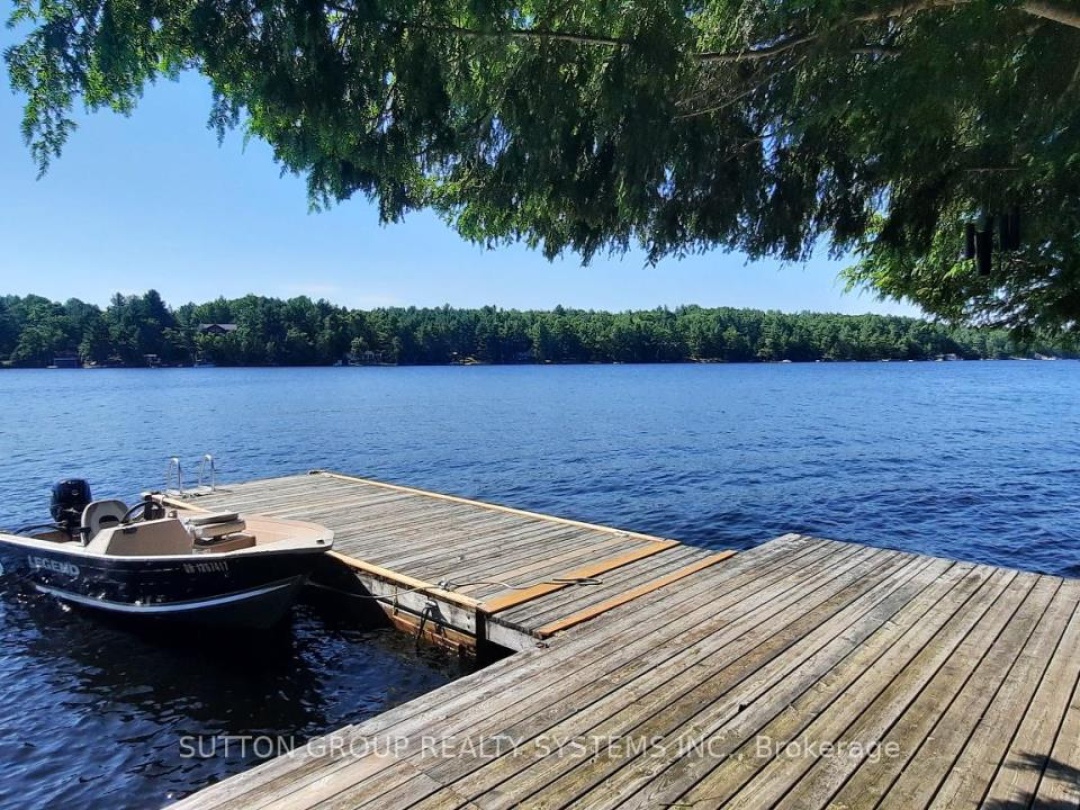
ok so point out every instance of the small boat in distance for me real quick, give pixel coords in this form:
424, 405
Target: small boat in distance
153, 560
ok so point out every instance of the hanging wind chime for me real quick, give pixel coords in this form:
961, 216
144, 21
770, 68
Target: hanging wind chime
979, 245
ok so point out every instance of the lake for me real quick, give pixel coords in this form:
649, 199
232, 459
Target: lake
977, 461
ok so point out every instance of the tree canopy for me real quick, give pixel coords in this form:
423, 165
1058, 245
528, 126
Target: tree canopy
35, 332
881, 128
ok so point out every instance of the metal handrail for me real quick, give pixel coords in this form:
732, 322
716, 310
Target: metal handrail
208, 463
174, 463
207, 481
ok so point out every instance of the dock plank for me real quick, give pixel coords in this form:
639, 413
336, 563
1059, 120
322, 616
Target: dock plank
644, 710
567, 601
904, 715
973, 772
687, 659
585, 614
519, 685
584, 691
821, 714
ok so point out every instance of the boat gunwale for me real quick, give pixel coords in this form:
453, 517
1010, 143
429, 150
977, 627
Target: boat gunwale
286, 546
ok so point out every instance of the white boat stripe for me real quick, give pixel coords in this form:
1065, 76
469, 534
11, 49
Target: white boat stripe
174, 607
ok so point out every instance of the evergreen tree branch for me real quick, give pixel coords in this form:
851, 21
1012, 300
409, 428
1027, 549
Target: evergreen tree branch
1043, 9
1038, 8
506, 33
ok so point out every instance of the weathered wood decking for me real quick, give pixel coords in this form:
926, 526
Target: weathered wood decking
402, 543
804, 673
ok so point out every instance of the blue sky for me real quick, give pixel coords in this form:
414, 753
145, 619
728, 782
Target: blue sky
154, 201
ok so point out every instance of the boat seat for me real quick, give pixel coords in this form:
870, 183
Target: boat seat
100, 515
212, 531
212, 517
233, 542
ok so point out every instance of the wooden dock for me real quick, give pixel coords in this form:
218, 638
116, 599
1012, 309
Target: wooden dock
804, 673
448, 562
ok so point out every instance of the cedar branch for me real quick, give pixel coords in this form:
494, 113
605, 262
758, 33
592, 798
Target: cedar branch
1043, 9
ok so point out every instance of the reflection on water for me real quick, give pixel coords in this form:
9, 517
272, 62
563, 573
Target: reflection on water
102, 713
974, 461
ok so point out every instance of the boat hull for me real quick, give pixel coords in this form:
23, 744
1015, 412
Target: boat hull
233, 590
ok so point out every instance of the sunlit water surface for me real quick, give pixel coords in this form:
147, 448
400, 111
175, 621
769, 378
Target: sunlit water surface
977, 461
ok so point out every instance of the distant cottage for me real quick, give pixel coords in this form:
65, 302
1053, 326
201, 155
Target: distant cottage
365, 358
66, 361
216, 328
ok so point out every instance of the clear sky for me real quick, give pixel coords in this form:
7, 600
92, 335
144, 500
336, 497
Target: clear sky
152, 201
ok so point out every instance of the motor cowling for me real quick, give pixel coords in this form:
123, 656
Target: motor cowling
69, 499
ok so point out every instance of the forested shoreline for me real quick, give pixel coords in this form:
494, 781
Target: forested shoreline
137, 330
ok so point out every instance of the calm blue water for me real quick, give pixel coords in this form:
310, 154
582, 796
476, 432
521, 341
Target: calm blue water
976, 461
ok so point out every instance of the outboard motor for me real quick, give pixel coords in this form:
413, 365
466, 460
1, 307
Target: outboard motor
69, 499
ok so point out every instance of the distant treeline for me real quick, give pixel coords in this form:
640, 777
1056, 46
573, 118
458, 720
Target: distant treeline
256, 331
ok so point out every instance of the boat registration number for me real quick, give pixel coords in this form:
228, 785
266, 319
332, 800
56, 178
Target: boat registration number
216, 566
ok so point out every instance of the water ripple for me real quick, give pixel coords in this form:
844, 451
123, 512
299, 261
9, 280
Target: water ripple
974, 461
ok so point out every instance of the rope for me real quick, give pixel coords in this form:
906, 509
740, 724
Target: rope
431, 609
